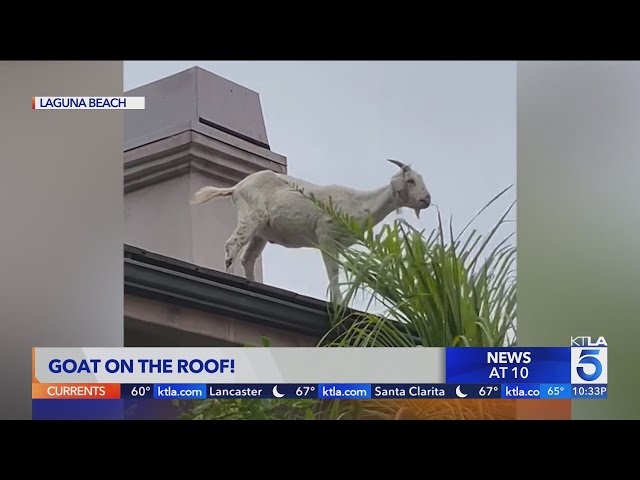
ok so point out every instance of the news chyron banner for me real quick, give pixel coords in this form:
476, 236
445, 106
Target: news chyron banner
64, 376
193, 373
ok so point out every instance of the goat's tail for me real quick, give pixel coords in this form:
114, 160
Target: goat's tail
207, 193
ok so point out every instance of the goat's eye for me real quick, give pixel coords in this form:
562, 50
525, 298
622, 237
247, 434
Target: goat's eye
411, 182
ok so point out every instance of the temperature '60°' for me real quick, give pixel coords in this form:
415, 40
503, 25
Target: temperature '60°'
140, 391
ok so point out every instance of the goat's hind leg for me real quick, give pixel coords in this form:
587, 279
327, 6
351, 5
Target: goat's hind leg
251, 253
248, 226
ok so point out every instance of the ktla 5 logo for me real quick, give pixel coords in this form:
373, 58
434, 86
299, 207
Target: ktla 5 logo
588, 360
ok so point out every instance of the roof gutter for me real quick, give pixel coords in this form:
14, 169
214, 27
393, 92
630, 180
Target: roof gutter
169, 280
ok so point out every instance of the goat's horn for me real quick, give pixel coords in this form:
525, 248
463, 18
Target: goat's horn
399, 164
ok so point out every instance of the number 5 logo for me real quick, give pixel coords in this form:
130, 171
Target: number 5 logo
589, 365
589, 357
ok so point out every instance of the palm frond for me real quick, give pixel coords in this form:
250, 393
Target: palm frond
434, 289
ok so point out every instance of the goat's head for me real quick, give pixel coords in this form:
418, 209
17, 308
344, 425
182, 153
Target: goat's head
409, 188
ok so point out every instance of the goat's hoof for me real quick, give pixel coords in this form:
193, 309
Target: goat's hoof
227, 264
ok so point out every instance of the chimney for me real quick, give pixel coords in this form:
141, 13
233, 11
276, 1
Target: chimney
197, 129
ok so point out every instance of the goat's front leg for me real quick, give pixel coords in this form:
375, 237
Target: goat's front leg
328, 247
333, 271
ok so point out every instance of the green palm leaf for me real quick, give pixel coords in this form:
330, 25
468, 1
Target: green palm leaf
435, 289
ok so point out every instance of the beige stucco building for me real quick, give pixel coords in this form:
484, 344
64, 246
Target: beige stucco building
198, 129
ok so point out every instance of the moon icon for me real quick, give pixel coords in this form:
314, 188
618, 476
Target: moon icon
459, 392
277, 394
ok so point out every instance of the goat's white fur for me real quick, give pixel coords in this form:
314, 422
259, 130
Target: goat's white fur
270, 209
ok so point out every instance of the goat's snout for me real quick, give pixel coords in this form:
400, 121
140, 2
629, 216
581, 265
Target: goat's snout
426, 199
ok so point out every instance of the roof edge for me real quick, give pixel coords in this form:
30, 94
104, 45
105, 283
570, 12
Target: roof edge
162, 278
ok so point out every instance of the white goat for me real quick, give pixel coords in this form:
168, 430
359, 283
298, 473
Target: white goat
271, 209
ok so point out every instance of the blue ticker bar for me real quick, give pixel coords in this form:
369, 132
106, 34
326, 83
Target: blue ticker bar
378, 391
